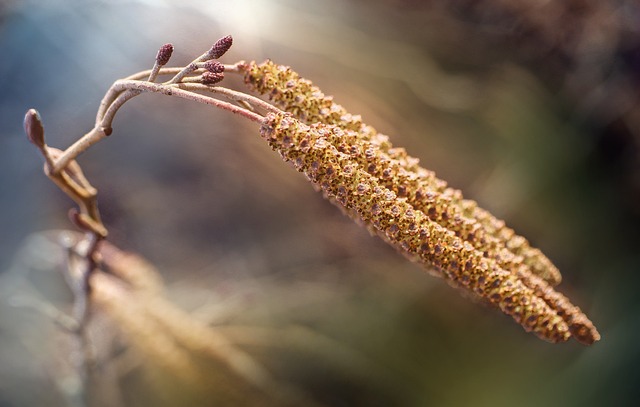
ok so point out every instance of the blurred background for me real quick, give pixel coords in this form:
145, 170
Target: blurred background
531, 108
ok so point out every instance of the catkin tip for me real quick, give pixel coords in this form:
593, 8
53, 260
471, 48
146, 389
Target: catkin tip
584, 331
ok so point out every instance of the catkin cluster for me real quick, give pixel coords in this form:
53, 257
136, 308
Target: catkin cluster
410, 230
400, 172
384, 188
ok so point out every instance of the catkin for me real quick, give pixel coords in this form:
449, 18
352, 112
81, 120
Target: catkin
411, 231
400, 172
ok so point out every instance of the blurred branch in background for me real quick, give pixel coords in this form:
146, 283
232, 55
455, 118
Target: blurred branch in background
138, 338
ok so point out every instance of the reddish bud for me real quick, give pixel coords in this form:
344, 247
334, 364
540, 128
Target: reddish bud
34, 128
220, 47
214, 66
210, 78
164, 54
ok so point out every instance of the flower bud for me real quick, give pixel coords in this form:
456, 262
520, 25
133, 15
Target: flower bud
214, 66
164, 54
211, 78
220, 47
34, 128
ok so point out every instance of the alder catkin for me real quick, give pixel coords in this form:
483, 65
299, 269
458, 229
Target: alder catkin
404, 176
412, 232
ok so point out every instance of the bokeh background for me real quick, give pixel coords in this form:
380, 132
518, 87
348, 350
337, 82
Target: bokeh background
531, 108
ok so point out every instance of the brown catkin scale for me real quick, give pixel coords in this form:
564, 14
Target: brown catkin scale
406, 228
401, 173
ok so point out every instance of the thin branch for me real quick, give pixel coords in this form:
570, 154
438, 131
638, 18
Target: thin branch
165, 71
176, 91
82, 144
231, 94
78, 275
161, 72
127, 89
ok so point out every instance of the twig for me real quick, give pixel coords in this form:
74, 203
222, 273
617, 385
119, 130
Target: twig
165, 71
121, 87
175, 90
232, 95
79, 267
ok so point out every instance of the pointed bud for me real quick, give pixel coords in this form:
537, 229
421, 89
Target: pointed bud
211, 78
214, 66
164, 54
34, 128
220, 47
